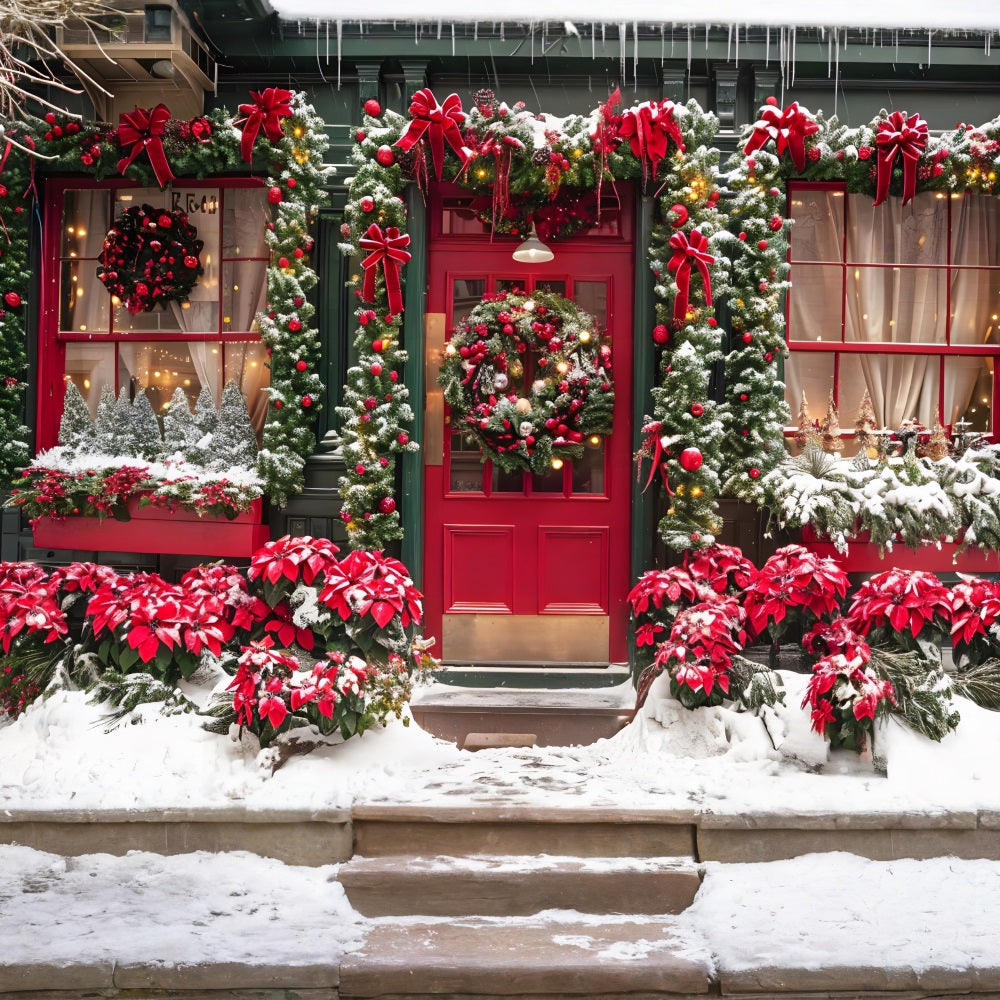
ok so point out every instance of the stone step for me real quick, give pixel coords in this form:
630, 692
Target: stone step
459, 831
517, 886
483, 959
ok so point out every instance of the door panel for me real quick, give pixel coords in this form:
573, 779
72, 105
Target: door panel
522, 567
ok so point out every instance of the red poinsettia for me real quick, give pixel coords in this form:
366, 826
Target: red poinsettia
836, 637
975, 613
371, 583
281, 624
901, 602
722, 567
660, 587
293, 558
82, 577
794, 580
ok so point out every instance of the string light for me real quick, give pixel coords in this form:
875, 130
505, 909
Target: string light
557, 464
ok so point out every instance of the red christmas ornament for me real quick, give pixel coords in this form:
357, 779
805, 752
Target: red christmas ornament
278, 404
345, 230
762, 244
695, 536
378, 346
775, 223
294, 324
681, 214
282, 262
387, 505
292, 182
359, 469
747, 337
373, 108
743, 397
385, 156
299, 253
12, 299
307, 401
742, 237
298, 302
712, 321
367, 204
301, 366
3, 190
375, 368
360, 135
370, 403
393, 376
660, 334
691, 459
403, 438
754, 472
697, 409
274, 195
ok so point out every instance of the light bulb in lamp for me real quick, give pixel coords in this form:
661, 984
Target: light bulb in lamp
533, 250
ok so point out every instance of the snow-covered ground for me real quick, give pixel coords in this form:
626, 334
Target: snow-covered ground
58, 755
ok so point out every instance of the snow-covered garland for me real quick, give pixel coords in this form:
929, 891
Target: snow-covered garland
918, 500
152, 148
529, 378
522, 163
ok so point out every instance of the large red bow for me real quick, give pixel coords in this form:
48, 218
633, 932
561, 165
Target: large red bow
899, 134
788, 129
268, 108
385, 249
688, 252
652, 447
440, 122
648, 127
144, 130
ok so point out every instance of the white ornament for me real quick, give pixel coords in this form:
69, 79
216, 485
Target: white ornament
538, 386
526, 428
500, 381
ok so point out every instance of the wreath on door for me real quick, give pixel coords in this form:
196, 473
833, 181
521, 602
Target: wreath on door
150, 257
528, 377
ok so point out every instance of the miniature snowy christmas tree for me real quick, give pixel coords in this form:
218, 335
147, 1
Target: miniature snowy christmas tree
76, 429
127, 443
937, 446
805, 427
107, 433
145, 427
179, 432
830, 430
865, 424
234, 442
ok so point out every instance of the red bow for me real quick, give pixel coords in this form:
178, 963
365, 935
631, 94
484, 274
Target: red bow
268, 108
385, 249
787, 128
899, 134
144, 130
440, 122
653, 449
687, 253
648, 128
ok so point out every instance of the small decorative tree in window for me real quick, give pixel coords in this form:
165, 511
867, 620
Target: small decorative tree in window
145, 427
865, 424
832, 441
234, 443
205, 419
107, 433
805, 429
179, 432
75, 425
937, 446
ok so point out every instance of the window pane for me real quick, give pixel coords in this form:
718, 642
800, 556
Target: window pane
552, 287
161, 368
85, 222
84, 303
244, 222
466, 470
968, 392
588, 471
975, 230
894, 233
91, 367
902, 387
896, 305
809, 373
975, 306
814, 302
592, 297
506, 482
466, 295
246, 365
244, 294
818, 224
161, 319
547, 482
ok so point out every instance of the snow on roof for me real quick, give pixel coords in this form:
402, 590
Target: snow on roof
956, 16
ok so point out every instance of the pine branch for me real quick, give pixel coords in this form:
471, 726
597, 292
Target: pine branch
129, 691
753, 685
922, 690
980, 684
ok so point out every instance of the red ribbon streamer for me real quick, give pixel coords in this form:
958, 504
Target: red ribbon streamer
268, 108
899, 134
652, 448
501, 149
604, 139
385, 249
144, 129
440, 124
788, 129
648, 128
688, 253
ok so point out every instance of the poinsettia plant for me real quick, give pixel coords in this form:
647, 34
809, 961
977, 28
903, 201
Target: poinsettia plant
975, 621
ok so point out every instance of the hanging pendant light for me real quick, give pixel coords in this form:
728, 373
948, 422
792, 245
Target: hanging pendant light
533, 250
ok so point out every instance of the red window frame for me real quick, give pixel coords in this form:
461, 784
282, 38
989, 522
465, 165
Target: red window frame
52, 341
842, 347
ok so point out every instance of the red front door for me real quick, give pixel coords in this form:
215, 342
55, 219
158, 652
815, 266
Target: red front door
521, 566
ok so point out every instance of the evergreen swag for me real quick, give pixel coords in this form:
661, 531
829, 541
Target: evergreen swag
555, 169
528, 378
288, 144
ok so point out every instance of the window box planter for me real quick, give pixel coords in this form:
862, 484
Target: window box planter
156, 530
864, 557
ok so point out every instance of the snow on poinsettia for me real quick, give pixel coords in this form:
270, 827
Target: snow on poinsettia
904, 604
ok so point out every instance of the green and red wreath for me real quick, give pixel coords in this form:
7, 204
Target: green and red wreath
151, 257
528, 377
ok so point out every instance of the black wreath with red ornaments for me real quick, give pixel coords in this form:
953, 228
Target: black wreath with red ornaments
151, 257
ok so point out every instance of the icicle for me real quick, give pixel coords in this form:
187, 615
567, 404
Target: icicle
453, 39
706, 37
635, 54
896, 37
475, 31
340, 47
501, 31
439, 30
663, 42
930, 35
689, 52
319, 61
327, 26
793, 55
737, 46
729, 42
836, 74
829, 57
622, 34
593, 40
767, 46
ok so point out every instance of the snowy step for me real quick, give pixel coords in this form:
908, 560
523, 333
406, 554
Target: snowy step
517, 885
528, 957
459, 831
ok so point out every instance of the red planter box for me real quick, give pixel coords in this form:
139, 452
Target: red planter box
863, 557
155, 530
